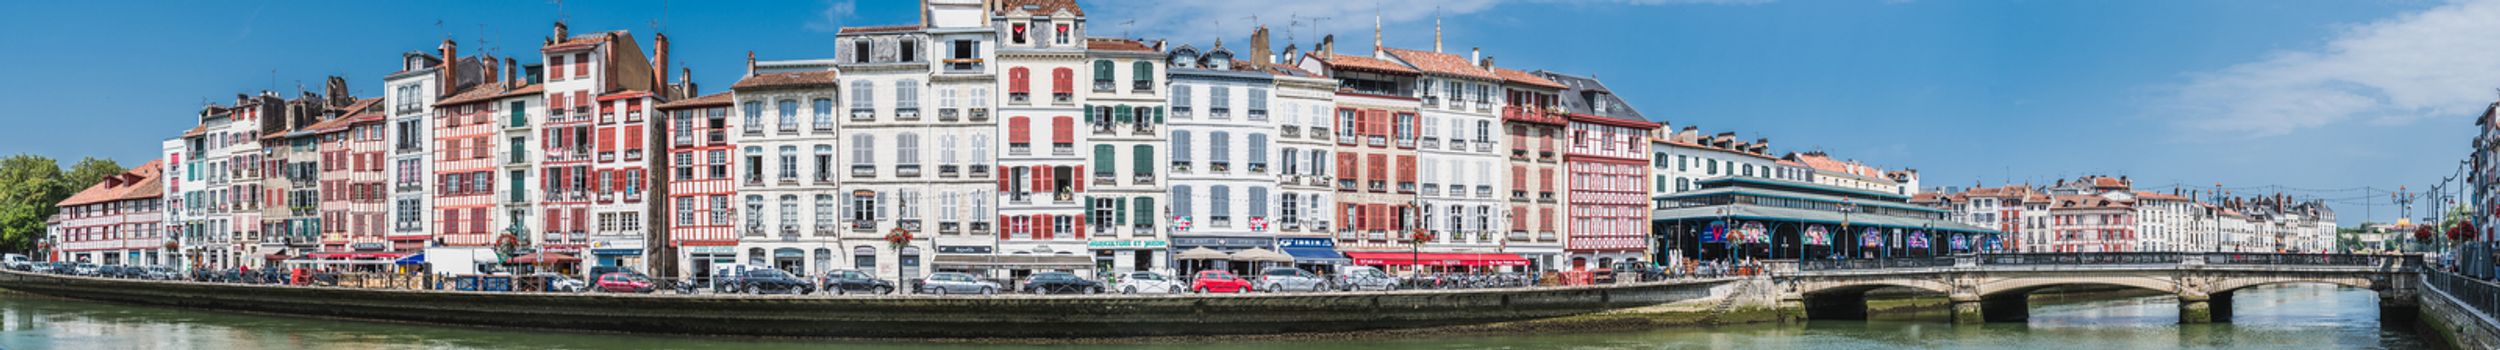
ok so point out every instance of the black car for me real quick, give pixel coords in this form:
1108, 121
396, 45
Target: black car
769, 281
1060, 282
853, 281
112, 271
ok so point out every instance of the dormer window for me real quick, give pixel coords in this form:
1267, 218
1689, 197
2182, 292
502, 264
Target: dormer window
909, 51
1060, 35
859, 51
1017, 31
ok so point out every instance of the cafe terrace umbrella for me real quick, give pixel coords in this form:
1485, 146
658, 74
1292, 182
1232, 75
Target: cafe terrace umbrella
1261, 255
1201, 253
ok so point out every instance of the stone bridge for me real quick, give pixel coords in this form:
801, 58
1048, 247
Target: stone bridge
1996, 287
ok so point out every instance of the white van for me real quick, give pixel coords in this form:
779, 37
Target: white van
19, 262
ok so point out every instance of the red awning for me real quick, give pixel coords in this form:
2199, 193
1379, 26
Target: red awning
550, 258
1437, 259
355, 255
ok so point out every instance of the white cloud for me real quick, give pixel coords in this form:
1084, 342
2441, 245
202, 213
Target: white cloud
831, 18
1198, 21
2438, 63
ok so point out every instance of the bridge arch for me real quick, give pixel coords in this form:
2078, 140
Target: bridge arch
2017, 287
2228, 285
1861, 287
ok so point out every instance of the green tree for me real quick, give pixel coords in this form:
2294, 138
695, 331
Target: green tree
88, 172
30, 187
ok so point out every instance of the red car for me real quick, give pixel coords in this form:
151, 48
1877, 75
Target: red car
619, 282
1218, 281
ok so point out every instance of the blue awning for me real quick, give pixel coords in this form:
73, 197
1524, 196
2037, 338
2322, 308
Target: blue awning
1316, 255
412, 259
616, 251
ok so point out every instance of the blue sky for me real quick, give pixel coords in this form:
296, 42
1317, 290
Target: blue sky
2310, 97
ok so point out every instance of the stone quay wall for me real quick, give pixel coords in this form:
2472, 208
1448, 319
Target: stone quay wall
970, 317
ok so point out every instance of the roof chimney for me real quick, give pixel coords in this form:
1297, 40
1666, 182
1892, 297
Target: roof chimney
561, 34
511, 73
659, 64
1328, 46
450, 81
1487, 62
1258, 47
685, 79
1475, 54
750, 63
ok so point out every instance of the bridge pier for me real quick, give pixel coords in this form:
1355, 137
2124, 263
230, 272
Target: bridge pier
2196, 308
2400, 304
2010, 307
2219, 305
1969, 310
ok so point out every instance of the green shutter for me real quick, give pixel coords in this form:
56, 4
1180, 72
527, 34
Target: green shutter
1145, 72
1102, 70
1089, 204
1146, 212
1145, 159
1104, 159
1119, 211
1089, 113
1158, 115
1121, 113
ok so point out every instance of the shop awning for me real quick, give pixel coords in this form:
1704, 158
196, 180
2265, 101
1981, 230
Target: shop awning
1437, 259
1315, 255
1071, 262
353, 255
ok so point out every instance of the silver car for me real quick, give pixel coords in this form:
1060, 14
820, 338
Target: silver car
1285, 279
1149, 283
943, 283
1353, 278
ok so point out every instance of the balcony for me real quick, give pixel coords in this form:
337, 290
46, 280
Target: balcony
1345, 184
1142, 127
1062, 98
1219, 221
863, 114
607, 157
1220, 113
949, 170
1431, 101
1545, 236
949, 114
823, 178
1406, 142
980, 228
755, 130
863, 226
1431, 190
633, 116
1484, 191
1020, 197
581, 112
1142, 179
1485, 146
1258, 114
1020, 149
912, 225
1141, 86
950, 228
1291, 131
1545, 196
1517, 195
1219, 167
864, 171
1182, 112
1103, 179
907, 170
1319, 133
633, 155
1019, 98
978, 114
1104, 86
1460, 145
1258, 168
1104, 127
1377, 186
1545, 155
1062, 149
980, 170
1406, 187
907, 113
962, 65
1432, 142
1518, 154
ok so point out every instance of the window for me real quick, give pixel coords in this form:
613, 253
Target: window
823, 113
863, 100
907, 150
1180, 101
719, 164
1143, 166
1018, 34
825, 212
755, 215
1180, 151
909, 51
863, 210
824, 163
1258, 202
1103, 76
860, 51
946, 151
1258, 104
1219, 151
863, 154
789, 112
789, 214
754, 117
1219, 102
1258, 153
1061, 35
1181, 200
1062, 85
789, 163
720, 210
1406, 129
1220, 206
907, 99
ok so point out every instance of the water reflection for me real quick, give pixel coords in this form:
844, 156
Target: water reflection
2286, 317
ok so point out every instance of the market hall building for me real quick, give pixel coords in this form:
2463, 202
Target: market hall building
1765, 219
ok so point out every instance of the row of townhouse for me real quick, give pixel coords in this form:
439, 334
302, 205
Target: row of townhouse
2106, 214
992, 137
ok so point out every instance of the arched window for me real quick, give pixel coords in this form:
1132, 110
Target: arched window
864, 258
789, 215
823, 114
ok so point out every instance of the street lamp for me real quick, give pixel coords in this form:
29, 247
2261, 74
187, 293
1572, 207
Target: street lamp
897, 239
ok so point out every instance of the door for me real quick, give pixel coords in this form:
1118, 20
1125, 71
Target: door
910, 263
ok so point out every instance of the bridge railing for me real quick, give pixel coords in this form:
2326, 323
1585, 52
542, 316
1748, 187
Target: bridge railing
2081, 259
2380, 262
1868, 264
2483, 297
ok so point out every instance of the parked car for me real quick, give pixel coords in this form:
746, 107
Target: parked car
1219, 281
621, 282
852, 281
84, 269
111, 271
765, 280
725, 277
1285, 279
1060, 282
956, 283
561, 283
162, 273
1353, 278
18, 262
1148, 282
45, 267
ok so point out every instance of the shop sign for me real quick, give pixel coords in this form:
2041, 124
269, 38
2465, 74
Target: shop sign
1127, 244
1305, 243
963, 249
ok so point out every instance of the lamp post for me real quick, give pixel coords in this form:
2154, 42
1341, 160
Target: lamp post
896, 239
1415, 250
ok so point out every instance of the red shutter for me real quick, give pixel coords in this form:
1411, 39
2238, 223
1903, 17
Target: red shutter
1019, 130
1041, 226
1079, 181
581, 63
1380, 216
1063, 80
1002, 230
1406, 169
1019, 80
1002, 182
1063, 129
1520, 224
1041, 178
477, 220
607, 140
1080, 227
1344, 219
1547, 175
1377, 166
1346, 168
581, 219
1519, 178
581, 98
633, 137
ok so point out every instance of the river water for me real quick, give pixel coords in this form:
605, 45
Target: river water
2289, 317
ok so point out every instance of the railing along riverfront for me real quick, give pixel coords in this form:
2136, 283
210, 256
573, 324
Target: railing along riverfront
2482, 297
2036, 260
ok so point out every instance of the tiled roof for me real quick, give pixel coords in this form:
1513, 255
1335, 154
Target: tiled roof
1581, 94
483, 92
355, 111
581, 41
771, 80
1825, 163
1041, 7
716, 99
1442, 63
1356, 62
2160, 196
879, 29
1113, 44
196, 131
136, 183
1525, 78
2090, 202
